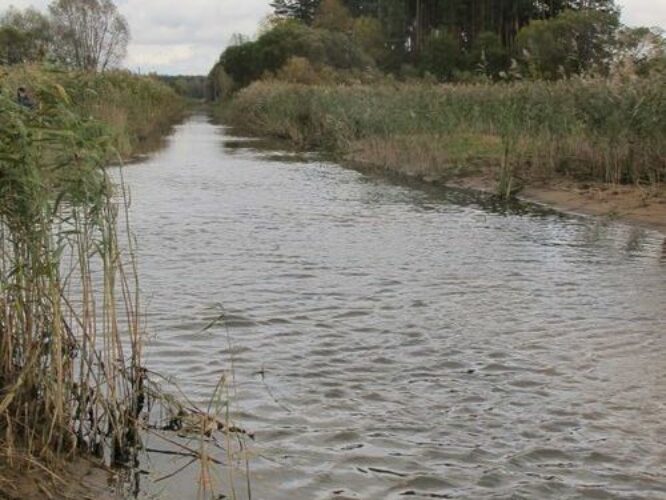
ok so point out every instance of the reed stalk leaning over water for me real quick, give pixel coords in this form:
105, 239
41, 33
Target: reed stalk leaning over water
71, 375
70, 348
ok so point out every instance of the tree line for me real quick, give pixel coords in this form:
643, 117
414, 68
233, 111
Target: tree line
190, 86
89, 35
446, 40
414, 20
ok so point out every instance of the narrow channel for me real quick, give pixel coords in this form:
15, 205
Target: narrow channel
390, 341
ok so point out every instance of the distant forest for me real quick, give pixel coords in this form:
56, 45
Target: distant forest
192, 87
412, 21
347, 41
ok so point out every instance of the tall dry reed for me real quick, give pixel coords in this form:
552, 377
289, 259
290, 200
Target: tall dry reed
72, 381
70, 347
608, 131
135, 109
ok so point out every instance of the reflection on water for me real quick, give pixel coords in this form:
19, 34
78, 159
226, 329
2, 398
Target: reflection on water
637, 238
395, 342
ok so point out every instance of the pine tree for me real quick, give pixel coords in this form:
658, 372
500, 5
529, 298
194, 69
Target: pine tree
465, 20
363, 7
303, 10
409, 25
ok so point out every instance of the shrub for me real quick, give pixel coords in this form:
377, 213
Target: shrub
298, 70
369, 34
488, 55
441, 55
249, 61
573, 43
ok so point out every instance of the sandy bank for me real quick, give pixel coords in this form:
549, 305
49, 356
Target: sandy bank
81, 479
637, 205
475, 164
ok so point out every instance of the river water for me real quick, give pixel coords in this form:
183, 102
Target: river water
397, 341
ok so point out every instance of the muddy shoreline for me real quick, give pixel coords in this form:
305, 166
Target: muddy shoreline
640, 206
632, 204
81, 479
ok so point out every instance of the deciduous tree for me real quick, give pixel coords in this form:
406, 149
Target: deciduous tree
369, 34
641, 50
92, 34
332, 15
25, 36
572, 43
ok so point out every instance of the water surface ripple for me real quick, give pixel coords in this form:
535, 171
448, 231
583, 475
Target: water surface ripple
395, 342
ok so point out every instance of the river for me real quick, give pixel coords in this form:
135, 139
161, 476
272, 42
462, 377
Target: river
398, 341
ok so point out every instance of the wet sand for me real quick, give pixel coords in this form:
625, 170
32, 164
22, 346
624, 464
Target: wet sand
641, 206
81, 479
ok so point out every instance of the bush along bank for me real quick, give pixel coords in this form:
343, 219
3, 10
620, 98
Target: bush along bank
592, 130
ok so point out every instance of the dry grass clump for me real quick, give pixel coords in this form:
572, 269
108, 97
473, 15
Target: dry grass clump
428, 156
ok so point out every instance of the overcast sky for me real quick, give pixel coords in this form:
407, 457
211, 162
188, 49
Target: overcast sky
187, 36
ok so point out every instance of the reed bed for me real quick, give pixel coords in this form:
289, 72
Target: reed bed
72, 379
70, 339
599, 130
135, 109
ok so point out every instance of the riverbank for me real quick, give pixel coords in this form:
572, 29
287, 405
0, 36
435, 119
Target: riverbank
79, 480
73, 387
644, 206
595, 147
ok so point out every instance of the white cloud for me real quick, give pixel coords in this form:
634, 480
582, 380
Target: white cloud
179, 37
643, 12
157, 55
22, 4
187, 36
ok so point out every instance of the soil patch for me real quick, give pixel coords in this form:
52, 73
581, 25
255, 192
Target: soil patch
81, 479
